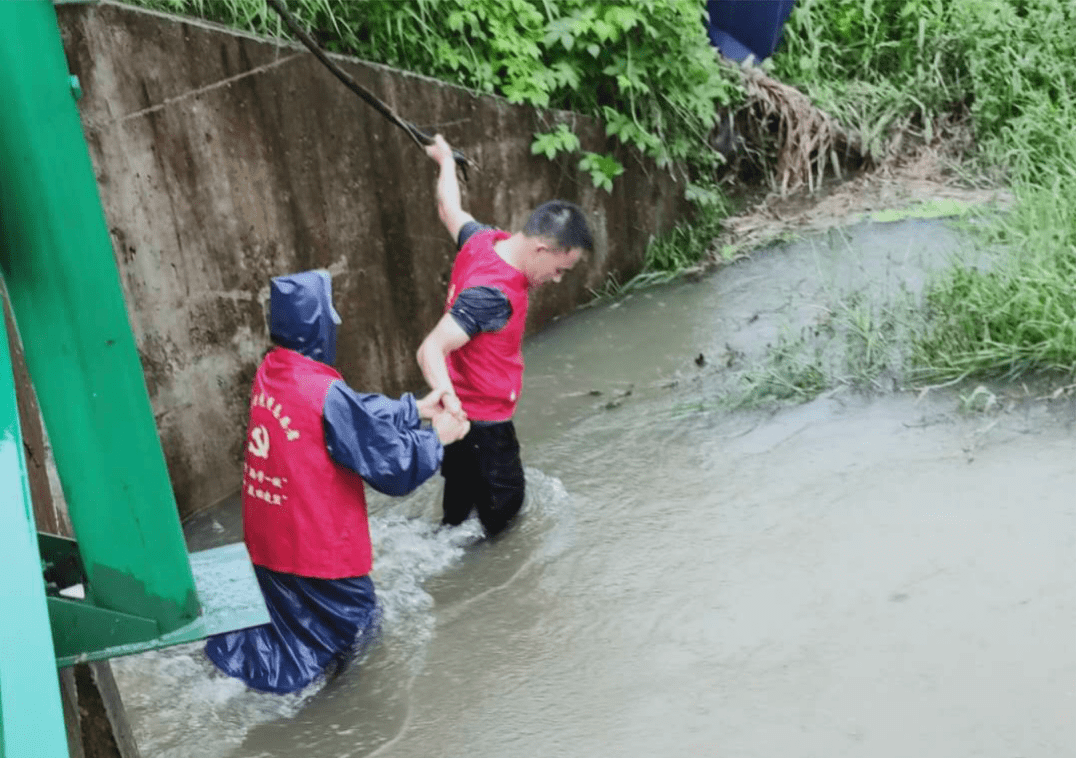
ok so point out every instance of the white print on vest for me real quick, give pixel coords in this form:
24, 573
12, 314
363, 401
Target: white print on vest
269, 497
261, 477
259, 442
251, 475
261, 400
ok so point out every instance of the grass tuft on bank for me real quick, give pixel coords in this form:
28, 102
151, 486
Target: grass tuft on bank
685, 248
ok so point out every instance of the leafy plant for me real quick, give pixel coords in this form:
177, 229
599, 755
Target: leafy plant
551, 143
602, 169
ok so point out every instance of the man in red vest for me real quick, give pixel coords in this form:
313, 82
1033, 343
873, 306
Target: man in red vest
474, 354
311, 443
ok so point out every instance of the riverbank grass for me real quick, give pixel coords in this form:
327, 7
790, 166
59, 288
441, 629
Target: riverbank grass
1008, 67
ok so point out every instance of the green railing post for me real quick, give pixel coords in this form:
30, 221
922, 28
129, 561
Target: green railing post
31, 717
57, 261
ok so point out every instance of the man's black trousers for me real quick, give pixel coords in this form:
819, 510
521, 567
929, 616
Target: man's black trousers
483, 471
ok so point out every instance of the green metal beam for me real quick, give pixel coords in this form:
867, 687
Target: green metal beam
78, 626
31, 717
57, 261
229, 592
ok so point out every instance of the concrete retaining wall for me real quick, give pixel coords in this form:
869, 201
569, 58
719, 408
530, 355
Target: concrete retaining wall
223, 160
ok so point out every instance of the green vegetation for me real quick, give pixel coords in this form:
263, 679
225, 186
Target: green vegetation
861, 342
685, 248
1010, 65
644, 67
876, 63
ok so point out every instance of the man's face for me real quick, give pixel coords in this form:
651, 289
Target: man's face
551, 263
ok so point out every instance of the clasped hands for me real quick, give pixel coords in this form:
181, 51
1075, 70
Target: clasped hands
446, 414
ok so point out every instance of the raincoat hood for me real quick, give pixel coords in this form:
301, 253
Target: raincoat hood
301, 314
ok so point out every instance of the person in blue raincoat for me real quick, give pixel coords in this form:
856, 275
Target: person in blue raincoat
312, 442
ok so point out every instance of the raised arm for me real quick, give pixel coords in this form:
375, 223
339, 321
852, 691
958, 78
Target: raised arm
449, 204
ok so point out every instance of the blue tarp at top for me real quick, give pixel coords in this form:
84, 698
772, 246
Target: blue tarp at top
739, 28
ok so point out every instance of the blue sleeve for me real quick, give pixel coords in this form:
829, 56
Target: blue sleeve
468, 230
380, 439
481, 309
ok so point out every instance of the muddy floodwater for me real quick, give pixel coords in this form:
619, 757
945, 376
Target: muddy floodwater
885, 576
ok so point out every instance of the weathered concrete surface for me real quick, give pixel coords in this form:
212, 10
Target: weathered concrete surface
223, 160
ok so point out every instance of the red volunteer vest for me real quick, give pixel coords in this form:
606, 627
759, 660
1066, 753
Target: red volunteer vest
487, 372
303, 513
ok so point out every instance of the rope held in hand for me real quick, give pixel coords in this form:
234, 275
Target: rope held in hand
420, 138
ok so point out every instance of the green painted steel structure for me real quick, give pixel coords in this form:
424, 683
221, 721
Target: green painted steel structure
141, 590
31, 717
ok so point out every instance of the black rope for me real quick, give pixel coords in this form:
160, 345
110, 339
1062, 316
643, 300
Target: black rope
420, 138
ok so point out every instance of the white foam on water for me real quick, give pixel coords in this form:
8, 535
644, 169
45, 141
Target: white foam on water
549, 506
408, 551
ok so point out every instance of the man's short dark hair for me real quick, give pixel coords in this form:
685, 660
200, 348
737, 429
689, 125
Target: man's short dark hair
563, 222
